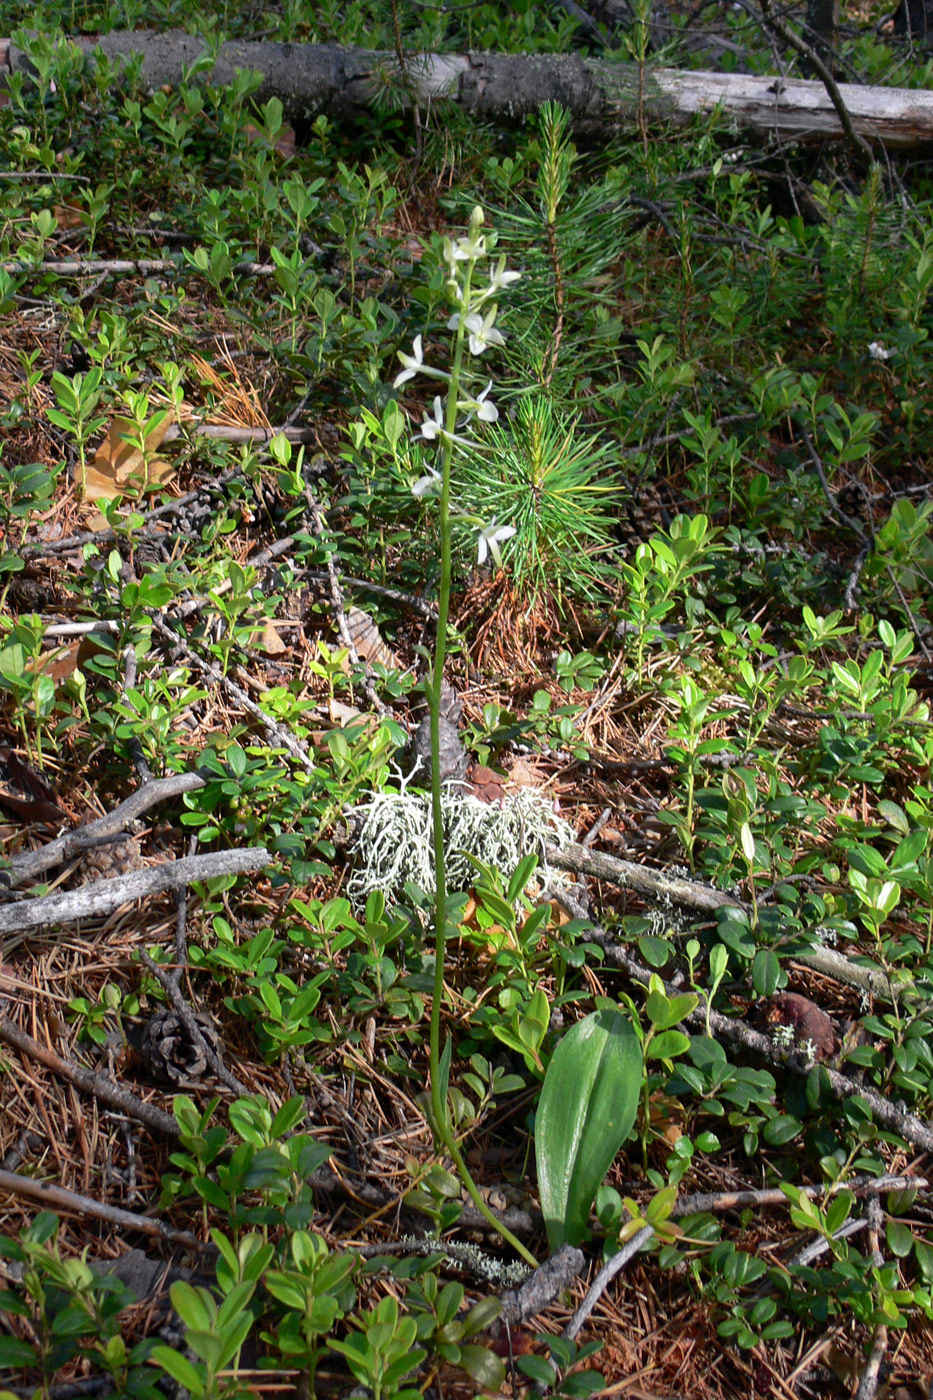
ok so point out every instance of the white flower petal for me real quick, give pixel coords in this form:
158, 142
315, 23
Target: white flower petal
484, 408
489, 540
483, 331
432, 427
500, 277
413, 363
427, 485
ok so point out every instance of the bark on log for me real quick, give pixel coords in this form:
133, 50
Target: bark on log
600, 94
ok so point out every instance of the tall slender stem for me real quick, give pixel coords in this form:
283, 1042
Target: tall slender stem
439, 1109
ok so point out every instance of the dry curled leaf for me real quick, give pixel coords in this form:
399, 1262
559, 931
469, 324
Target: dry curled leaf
285, 145
486, 784
25, 792
125, 464
367, 639
269, 640
810, 1025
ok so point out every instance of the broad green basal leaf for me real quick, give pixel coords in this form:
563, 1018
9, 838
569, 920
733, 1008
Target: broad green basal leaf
587, 1108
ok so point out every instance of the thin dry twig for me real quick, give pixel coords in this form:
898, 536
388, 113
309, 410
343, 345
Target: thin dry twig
603, 1279
784, 31
871, 1375
702, 1201
596, 828
38, 549
108, 1091
142, 267
143, 771
338, 608
59, 1198
277, 732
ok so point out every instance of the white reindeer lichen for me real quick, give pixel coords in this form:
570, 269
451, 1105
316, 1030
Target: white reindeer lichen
395, 844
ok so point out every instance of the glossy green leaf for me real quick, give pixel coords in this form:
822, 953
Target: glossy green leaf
587, 1108
179, 1368
900, 1238
15, 1354
483, 1367
766, 972
655, 951
667, 1045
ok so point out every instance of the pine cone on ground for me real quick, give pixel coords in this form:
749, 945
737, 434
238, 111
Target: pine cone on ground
854, 500
111, 859
808, 1023
641, 515
168, 1051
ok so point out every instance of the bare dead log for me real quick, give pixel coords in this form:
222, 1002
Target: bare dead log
600, 95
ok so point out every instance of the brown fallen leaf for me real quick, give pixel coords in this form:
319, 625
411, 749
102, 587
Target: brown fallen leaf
269, 640
32, 809
67, 216
525, 774
667, 1120
120, 467
60, 663
367, 639
22, 777
286, 144
486, 784
25, 792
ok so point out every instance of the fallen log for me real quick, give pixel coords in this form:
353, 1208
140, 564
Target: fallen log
600, 94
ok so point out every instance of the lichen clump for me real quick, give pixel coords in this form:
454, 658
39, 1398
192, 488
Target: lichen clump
395, 844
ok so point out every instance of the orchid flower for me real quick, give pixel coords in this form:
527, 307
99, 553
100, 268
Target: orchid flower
432, 427
485, 411
490, 537
482, 331
413, 363
500, 277
428, 485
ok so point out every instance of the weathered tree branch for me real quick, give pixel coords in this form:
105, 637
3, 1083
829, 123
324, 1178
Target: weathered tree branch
691, 894
107, 1091
728, 1028
33, 863
104, 896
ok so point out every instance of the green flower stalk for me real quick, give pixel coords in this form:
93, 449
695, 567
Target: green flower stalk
474, 325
